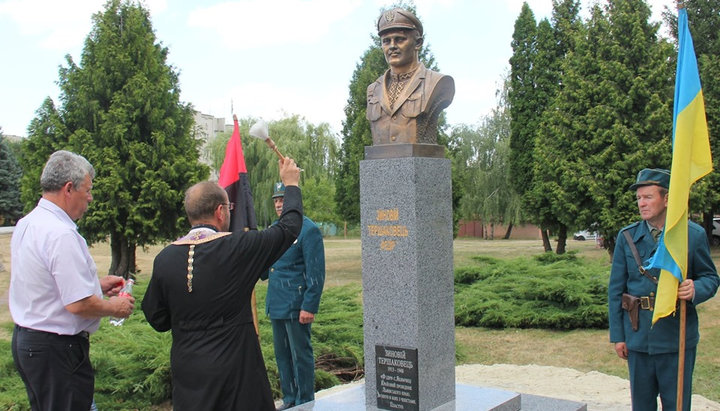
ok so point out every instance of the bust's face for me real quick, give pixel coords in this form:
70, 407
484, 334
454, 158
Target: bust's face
400, 48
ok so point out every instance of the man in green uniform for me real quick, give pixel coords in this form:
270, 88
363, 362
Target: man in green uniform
652, 352
295, 285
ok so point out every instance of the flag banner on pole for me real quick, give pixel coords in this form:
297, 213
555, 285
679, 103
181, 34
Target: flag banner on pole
691, 160
233, 178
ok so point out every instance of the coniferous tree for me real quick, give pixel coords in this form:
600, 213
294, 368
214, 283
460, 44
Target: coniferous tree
521, 97
10, 172
610, 119
46, 134
554, 42
121, 109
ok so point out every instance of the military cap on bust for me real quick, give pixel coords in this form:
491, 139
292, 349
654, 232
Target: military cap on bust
279, 190
652, 177
398, 19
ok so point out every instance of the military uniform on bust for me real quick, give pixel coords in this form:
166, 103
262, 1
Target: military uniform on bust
404, 103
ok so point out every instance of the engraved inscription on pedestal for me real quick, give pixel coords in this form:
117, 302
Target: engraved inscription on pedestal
396, 374
389, 233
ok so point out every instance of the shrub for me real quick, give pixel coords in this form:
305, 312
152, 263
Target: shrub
547, 291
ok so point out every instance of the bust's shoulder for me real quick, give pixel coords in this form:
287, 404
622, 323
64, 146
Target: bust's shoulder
432, 75
377, 84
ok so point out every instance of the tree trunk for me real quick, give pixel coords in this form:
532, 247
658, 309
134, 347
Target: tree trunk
562, 240
546, 240
123, 256
609, 244
492, 231
708, 225
508, 232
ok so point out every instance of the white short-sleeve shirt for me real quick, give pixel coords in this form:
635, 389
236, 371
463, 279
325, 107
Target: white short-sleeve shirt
51, 267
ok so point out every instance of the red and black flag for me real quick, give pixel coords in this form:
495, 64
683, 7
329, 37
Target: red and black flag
233, 178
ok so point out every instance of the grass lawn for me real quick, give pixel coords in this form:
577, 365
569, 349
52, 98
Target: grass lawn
583, 350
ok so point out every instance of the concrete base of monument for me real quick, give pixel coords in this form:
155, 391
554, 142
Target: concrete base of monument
467, 397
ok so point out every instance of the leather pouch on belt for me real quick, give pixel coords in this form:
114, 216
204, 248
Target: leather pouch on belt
631, 304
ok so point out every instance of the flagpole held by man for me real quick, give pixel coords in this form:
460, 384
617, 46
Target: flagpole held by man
233, 178
665, 258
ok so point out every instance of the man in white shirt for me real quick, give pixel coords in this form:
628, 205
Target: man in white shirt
56, 299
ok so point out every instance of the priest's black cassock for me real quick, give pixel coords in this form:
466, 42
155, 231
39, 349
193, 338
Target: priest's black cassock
200, 288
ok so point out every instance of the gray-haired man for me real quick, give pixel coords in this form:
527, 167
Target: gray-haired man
56, 299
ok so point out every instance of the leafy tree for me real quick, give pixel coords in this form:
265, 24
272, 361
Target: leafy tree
10, 172
489, 195
610, 119
122, 111
313, 147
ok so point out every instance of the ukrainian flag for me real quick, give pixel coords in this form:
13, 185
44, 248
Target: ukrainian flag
691, 160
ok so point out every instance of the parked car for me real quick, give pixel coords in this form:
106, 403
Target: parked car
585, 235
716, 231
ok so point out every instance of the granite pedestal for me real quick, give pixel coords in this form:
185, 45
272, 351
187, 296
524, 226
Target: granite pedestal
407, 276
468, 398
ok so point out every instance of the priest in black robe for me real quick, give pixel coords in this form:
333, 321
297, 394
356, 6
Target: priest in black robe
200, 289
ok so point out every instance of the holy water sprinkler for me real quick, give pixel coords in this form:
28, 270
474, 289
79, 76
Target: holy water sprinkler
260, 130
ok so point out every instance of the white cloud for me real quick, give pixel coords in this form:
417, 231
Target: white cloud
59, 25
258, 23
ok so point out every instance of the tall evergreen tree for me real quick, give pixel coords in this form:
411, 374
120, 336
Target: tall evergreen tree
521, 96
10, 172
611, 118
122, 111
555, 42
536, 78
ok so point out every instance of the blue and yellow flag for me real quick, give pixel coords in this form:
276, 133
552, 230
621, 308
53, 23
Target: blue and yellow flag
691, 160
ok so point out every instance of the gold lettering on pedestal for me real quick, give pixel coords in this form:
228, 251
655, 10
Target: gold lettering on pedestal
387, 245
388, 215
387, 230
376, 230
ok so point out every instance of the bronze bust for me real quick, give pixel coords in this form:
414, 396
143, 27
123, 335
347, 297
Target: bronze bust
403, 105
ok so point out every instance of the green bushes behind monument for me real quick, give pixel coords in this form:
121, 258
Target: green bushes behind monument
546, 291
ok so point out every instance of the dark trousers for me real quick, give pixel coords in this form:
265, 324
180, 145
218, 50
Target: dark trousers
295, 360
55, 368
653, 375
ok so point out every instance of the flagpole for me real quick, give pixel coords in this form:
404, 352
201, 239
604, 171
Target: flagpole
681, 342
681, 357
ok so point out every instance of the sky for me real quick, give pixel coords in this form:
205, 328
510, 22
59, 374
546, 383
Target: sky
265, 58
